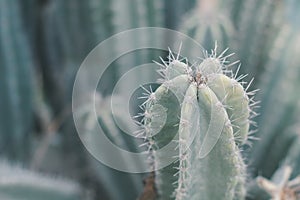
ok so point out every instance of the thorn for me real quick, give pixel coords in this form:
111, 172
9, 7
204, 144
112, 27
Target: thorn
159, 64
233, 63
179, 50
162, 60
249, 85
252, 93
223, 52
237, 71
171, 55
241, 77
254, 103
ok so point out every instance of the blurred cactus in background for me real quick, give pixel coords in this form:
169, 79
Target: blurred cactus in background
44, 42
17, 89
17, 183
207, 23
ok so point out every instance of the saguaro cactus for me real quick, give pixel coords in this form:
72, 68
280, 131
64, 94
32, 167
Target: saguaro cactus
209, 109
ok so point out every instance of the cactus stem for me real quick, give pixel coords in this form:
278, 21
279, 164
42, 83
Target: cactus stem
209, 92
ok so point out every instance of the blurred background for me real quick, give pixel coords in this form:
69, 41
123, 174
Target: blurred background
43, 43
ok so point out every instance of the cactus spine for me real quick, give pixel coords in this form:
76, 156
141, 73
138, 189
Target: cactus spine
210, 111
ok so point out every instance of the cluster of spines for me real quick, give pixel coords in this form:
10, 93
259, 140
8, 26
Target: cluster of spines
167, 75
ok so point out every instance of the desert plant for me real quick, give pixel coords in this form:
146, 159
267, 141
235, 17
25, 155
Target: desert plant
120, 185
207, 23
257, 26
17, 183
16, 87
44, 41
210, 111
274, 131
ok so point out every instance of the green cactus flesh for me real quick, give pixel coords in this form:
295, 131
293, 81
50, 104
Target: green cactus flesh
206, 119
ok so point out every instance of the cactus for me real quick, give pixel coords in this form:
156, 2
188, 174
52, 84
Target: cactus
210, 110
16, 91
184, 115
274, 123
257, 27
135, 14
206, 23
175, 10
17, 183
120, 185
